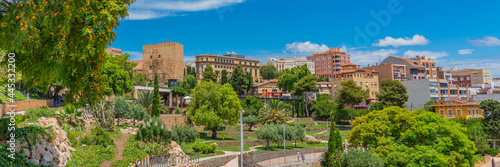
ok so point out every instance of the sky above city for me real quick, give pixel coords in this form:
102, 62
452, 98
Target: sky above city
453, 33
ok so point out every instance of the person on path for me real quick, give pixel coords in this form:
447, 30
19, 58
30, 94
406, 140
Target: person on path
298, 156
303, 157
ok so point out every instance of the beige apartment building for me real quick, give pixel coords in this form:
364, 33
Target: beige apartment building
166, 59
430, 66
389, 71
282, 64
227, 62
471, 76
328, 63
414, 70
367, 79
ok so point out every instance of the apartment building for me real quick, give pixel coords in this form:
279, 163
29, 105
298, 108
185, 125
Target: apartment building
413, 69
166, 59
266, 89
328, 63
443, 74
423, 90
471, 76
227, 62
367, 79
457, 108
114, 51
282, 64
430, 66
389, 71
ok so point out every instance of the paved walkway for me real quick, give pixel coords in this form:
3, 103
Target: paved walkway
497, 163
312, 157
234, 162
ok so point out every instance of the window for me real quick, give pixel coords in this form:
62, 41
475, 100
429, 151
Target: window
450, 111
468, 111
441, 112
150, 68
454, 79
435, 84
159, 56
477, 111
459, 112
151, 57
255, 72
475, 77
468, 78
426, 65
207, 59
360, 83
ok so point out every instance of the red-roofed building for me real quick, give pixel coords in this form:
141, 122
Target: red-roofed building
458, 108
367, 79
268, 89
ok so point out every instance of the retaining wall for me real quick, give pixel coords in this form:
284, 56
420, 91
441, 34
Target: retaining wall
219, 161
252, 160
170, 120
24, 105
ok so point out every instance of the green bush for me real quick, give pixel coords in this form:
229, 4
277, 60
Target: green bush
184, 134
152, 129
19, 160
128, 97
98, 137
355, 158
4, 126
103, 114
178, 111
204, 147
491, 151
34, 114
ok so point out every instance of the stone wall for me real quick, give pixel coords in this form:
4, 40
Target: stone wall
219, 161
170, 120
251, 160
23, 105
484, 160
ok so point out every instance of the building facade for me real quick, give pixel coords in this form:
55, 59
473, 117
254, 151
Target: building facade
114, 51
423, 90
166, 59
266, 89
414, 70
282, 64
430, 66
389, 71
328, 63
456, 108
471, 76
227, 62
367, 79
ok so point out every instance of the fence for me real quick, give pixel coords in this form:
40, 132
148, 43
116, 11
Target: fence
290, 160
167, 160
277, 158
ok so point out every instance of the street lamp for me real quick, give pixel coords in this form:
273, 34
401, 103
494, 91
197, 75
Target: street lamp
241, 135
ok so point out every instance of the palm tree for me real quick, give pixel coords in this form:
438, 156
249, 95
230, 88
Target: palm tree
275, 112
145, 99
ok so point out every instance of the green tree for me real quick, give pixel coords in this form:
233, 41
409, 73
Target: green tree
295, 133
427, 106
61, 40
268, 133
122, 109
286, 82
321, 79
117, 78
155, 104
223, 77
146, 99
413, 138
491, 121
139, 78
475, 132
213, 104
323, 108
268, 71
249, 80
250, 121
238, 80
191, 71
355, 158
137, 112
377, 106
184, 134
334, 146
209, 74
252, 102
275, 112
306, 84
392, 93
188, 82
350, 94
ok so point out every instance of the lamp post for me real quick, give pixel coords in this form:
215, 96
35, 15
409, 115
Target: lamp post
284, 144
241, 135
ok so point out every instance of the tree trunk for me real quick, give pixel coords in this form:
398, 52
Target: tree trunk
250, 129
267, 145
214, 133
134, 121
295, 143
351, 112
495, 143
307, 111
118, 123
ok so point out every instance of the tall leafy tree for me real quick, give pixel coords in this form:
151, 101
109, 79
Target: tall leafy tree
334, 146
267, 72
190, 71
306, 84
188, 82
252, 102
139, 78
392, 93
249, 80
122, 109
209, 74
61, 40
413, 138
250, 121
238, 80
269, 133
117, 78
350, 94
212, 105
155, 106
275, 112
286, 82
223, 77
491, 121
323, 108
427, 106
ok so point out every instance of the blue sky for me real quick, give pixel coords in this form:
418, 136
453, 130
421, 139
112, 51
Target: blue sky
454, 33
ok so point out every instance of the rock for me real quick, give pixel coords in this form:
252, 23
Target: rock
57, 112
47, 158
35, 161
27, 152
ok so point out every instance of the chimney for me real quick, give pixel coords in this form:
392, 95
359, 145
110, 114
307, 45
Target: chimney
376, 64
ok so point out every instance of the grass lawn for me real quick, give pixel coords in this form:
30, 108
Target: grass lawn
289, 146
235, 148
219, 139
91, 156
188, 149
306, 122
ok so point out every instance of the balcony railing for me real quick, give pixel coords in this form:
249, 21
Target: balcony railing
397, 77
400, 71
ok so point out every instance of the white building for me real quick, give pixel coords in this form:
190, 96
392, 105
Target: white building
289, 63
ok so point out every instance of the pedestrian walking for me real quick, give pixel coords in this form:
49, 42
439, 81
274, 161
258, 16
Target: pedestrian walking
303, 157
298, 156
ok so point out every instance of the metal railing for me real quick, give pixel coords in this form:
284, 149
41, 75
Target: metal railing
168, 160
291, 160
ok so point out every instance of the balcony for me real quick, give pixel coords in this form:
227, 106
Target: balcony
396, 77
398, 71
449, 116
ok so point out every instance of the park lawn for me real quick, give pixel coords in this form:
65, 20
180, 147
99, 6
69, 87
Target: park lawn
289, 146
219, 139
306, 122
91, 156
189, 150
235, 148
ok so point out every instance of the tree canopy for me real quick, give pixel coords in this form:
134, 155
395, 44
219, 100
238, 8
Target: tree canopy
350, 94
392, 93
275, 112
139, 78
209, 74
61, 40
413, 138
188, 82
213, 104
286, 82
268, 71
223, 77
323, 108
116, 75
491, 121
239, 80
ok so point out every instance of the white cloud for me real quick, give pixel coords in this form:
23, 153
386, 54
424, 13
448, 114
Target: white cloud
430, 54
364, 58
476, 63
232, 52
390, 41
189, 58
465, 51
134, 55
487, 41
306, 47
151, 9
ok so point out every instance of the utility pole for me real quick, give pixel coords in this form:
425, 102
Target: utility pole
241, 135
284, 144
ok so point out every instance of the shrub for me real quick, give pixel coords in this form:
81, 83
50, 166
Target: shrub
128, 97
69, 118
122, 108
91, 156
19, 160
103, 114
151, 148
204, 148
136, 112
178, 111
184, 133
98, 137
354, 158
491, 151
4, 126
34, 114
152, 129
